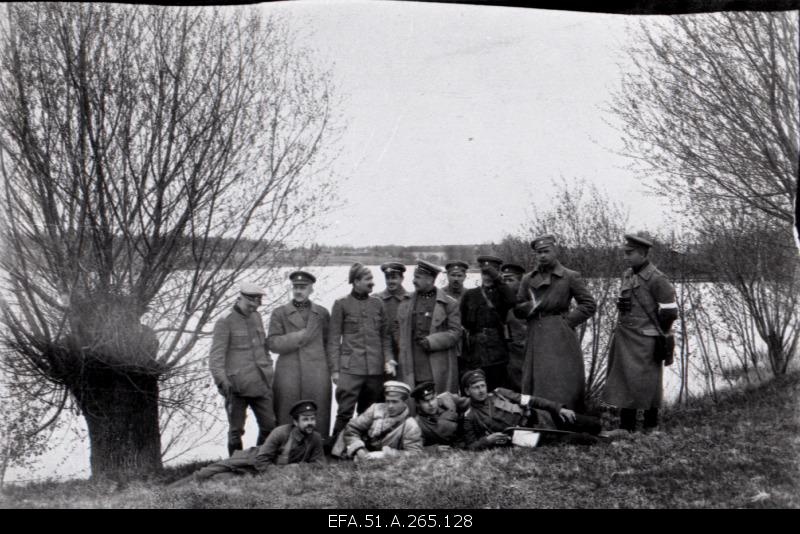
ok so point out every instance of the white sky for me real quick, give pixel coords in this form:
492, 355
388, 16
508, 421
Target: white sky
460, 117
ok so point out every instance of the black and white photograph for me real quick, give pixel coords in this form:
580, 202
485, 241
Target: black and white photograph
401, 262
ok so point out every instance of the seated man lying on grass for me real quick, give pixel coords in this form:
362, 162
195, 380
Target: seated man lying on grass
490, 414
438, 416
383, 429
294, 443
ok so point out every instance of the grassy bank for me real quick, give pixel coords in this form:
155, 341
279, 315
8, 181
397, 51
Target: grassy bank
743, 451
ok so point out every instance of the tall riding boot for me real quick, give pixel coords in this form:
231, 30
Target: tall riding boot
627, 419
650, 419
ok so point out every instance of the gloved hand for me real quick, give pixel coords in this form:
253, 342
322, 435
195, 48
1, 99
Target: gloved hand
390, 368
498, 438
566, 415
224, 388
624, 304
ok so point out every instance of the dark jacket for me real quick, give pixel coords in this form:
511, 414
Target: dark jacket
483, 313
287, 445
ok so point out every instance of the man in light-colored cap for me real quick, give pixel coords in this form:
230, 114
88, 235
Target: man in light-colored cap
428, 330
242, 368
359, 346
298, 333
553, 367
384, 429
642, 342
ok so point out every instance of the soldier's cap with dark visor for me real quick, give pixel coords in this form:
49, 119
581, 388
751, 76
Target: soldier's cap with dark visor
423, 390
428, 268
393, 267
456, 265
486, 259
472, 377
302, 278
301, 407
546, 240
512, 268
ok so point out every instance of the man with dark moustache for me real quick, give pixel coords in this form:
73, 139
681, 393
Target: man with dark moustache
428, 328
359, 345
392, 296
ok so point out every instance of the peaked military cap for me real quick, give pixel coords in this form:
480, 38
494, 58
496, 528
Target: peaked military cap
423, 390
357, 270
251, 290
512, 268
395, 386
636, 241
543, 241
426, 267
486, 260
472, 377
393, 267
302, 278
456, 265
303, 406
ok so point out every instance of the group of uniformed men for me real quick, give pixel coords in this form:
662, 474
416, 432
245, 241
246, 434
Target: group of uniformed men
463, 365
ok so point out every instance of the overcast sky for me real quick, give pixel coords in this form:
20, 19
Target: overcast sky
460, 117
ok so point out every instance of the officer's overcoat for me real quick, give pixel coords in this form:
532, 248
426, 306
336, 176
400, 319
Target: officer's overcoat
301, 372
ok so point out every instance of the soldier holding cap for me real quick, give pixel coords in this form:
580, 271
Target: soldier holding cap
383, 429
359, 346
295, 442
517, 328
242, 368
489, 414
428, 329
456, 274
483, 315
647, 310
298, 333
438, 416
392, 296
553, 366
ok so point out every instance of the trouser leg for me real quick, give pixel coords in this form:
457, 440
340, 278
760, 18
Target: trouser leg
583, 423
236, 409
627, 419
650, 418
347, 393
371, 392
265, 416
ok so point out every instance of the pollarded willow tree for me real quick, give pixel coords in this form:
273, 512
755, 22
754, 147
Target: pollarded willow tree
151, 157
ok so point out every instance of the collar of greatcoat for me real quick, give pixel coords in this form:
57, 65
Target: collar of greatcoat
645, 274
540, 279
294, 314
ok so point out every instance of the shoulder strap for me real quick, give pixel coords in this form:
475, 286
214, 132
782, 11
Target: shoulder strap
652, 319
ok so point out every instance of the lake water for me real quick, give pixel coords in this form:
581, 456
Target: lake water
69, 457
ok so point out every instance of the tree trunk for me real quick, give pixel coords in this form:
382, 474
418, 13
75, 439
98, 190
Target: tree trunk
120, 406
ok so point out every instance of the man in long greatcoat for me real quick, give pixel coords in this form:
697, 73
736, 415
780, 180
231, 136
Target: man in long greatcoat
553, 367
298, 333
647, 309
428, 329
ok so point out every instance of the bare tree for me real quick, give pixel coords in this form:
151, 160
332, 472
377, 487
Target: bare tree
151, 158
709, 109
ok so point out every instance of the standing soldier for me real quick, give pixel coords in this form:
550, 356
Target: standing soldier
393, 295
242, 368
553, 367
428, 327
517, 329
298, 333
483, 315
359, 346
647, 310
456, 274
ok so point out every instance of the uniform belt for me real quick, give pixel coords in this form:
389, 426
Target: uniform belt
540, 315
